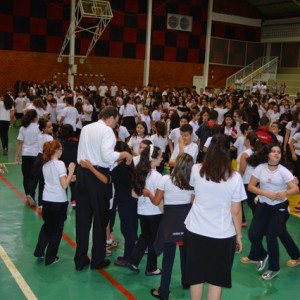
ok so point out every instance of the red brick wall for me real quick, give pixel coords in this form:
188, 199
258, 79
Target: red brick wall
34, 66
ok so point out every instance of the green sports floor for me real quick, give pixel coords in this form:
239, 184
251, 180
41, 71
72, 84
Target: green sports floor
24, 277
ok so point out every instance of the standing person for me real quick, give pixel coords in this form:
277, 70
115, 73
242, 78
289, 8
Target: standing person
69, 114
177, 195
6, 114
46, 131
28, 143
20, 103
138, 135
54, 202
97, 143
275, 184
146, 176
128, 113
211, 231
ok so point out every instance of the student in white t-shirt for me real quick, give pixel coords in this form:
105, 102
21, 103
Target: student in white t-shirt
160, 140
28, 144
177, 195
146, 176
239, 145
87, 108
55, 202
276, 183
138, 135
213, 225
185, 144
69, 114
145, 117
295, 150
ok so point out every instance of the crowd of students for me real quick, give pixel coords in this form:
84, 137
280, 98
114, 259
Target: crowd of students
193, 137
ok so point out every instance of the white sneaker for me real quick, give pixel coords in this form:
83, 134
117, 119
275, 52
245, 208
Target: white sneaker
270, 274
261, 264
31, 200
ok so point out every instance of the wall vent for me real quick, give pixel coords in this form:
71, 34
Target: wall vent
179, 22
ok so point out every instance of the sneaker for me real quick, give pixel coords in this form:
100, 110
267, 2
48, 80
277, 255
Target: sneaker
154, 273
293, 262
133, 268
244, 224
31, 200
270, 274
5, 151
56, 260
261, 264
73, 203
108, 253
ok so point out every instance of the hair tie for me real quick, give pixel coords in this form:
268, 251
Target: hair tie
151, 151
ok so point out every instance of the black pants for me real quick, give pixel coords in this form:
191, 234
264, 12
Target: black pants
29, 180
129, 225
250, 199
92, 207
271, 221
54, 215
167, 267
4, 127
38, 174
149, 227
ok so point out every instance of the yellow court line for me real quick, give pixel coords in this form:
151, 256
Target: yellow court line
17, 276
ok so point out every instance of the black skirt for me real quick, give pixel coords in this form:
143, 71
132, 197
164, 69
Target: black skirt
129, 123
209, 259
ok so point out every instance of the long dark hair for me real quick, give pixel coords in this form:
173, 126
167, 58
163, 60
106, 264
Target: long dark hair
8, 102
182, 171
145, 127
217, 163
295, 119
143, 168
262, 156
28, 118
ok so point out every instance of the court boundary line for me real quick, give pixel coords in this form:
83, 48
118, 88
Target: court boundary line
17, 276
105, 274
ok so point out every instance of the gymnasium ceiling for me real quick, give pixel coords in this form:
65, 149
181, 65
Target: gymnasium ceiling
260, 9
277, 9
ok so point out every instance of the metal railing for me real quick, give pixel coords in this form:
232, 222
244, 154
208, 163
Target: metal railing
262, 69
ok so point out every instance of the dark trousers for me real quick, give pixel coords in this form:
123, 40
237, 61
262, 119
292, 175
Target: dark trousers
29, 180
167, 267
4, 127
250, 199
149, 227
92, 207
297, 168
129, 225
54, 215
271, 221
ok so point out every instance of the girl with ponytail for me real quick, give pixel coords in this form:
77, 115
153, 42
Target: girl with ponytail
146, 176
55, 202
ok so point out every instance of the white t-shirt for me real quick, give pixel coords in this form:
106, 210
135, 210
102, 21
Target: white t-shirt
40, 112
42, 139
160, 142
147, 120
156, 115
239, 145
102, 90
59, 109
195, 125
191, 149
175, 134
70, 115
88, 107
20, 104
123, 133
173, 195
29, 136
292, 129
135, 141
208, 141
128, 111
145, 206
210, 214
113, 90
249, 169
221, 113
53, 191
272, 181
296, 138
4, 113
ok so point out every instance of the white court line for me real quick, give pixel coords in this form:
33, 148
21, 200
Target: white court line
28, 293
